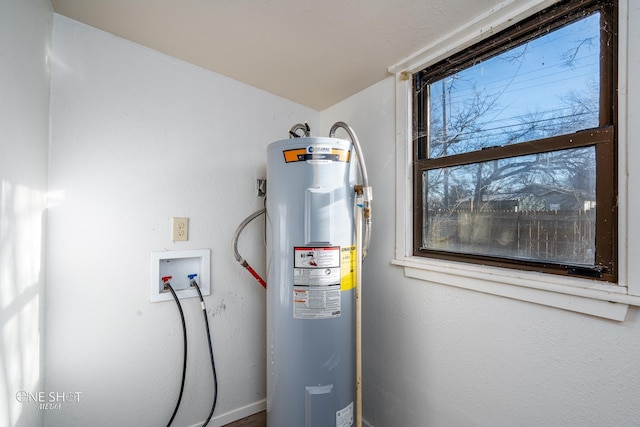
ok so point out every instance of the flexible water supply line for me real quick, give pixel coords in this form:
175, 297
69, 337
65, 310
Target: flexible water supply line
356, 143
366, 189
299, 126
236, 254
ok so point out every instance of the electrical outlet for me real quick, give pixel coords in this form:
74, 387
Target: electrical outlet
179, 229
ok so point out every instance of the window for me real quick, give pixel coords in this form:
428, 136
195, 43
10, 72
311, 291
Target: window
514, 147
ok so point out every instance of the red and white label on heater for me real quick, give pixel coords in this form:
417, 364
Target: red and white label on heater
316, 282
344, 417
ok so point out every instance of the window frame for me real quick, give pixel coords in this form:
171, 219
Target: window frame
583, 295
601, 138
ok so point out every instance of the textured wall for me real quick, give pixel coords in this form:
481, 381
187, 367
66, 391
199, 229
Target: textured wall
25, 35
138, 137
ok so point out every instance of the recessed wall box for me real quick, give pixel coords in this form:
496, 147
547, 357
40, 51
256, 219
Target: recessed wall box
178, 265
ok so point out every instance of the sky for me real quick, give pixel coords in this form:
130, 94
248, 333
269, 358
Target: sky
529, 79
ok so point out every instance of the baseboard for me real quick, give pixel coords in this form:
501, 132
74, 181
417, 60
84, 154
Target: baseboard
236, 414
245, 411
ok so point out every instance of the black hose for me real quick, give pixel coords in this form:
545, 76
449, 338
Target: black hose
184, 363
213, 364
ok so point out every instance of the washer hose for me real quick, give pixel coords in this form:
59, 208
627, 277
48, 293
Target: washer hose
213, 364
167, 285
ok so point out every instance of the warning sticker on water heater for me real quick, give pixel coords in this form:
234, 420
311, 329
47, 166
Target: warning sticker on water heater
316, 282
348, 267
344, 417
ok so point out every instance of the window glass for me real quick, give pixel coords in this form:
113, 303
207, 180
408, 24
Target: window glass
548, 86
538, 207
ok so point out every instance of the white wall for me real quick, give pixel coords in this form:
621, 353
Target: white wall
138, 137
25, 35
436, 355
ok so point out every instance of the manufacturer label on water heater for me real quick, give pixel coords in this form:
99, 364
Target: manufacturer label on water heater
316, 282
316, 154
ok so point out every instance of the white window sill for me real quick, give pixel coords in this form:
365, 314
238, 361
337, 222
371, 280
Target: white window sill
579, 295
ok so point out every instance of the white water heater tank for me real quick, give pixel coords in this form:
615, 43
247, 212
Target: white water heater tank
311, 260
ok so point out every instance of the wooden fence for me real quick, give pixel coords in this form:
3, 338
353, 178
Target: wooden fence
561, 236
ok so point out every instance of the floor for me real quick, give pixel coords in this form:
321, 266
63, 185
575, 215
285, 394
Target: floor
255, 420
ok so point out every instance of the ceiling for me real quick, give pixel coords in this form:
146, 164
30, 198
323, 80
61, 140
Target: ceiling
313, 52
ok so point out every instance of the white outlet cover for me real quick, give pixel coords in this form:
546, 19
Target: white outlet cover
178, 265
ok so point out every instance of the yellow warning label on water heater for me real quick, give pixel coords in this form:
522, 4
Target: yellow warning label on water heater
347, 267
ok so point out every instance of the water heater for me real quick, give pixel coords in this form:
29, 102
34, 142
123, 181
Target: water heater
311, 277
